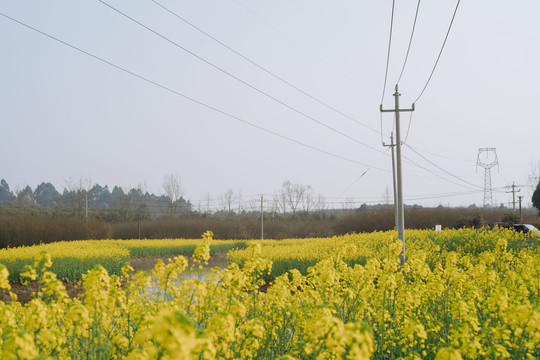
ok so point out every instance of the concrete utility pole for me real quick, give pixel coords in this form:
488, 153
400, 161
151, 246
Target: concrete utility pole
393, 177
262, 219
139, 222
400, 210
513, 191
520, 198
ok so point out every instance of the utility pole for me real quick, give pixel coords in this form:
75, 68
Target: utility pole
393, 177
513, 191
400, 210
520, 198
139, 221
262, 219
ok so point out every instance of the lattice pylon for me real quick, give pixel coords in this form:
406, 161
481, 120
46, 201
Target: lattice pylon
488, 193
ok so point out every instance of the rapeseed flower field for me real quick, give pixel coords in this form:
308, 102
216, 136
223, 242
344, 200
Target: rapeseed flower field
463, 294
72, 259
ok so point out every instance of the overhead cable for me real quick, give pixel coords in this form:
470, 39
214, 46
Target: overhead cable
438, 155
361, 176
185, 96
440, 52
261, 67
440, 168
410, 42
437, 175
237, 78
300, 45
388, 53
408, 127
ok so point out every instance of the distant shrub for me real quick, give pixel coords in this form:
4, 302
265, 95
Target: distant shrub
511, 217
474, 221
24, 231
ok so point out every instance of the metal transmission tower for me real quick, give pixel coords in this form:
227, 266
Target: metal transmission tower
490, 160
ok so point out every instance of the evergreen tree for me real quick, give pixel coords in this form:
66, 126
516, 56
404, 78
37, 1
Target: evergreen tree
536, 198
6, 196
46, 195
101, 197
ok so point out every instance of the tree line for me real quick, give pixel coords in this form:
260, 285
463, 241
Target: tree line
78, 198
83, 198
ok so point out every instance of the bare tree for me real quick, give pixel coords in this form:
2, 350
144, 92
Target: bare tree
227, 200
291, 196
208, 200
239, 202
348, 204
86, 187
320, 203
386, 196
78, 193
173, 189
70, 188
254, 204
308, 201
279, 203
275, 207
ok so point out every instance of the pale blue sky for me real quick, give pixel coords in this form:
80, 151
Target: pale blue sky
66, 115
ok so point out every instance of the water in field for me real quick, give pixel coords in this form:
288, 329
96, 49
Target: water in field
147, 264
154, 291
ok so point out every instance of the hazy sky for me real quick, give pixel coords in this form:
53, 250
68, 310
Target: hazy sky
65, 114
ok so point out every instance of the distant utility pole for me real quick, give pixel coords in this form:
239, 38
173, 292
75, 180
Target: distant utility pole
513, 191
400, 210
520, 198
393, 176
139, 221
262, 219
488, 195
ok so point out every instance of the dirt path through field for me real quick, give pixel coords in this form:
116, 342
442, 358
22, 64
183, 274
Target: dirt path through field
24, 293
147, 263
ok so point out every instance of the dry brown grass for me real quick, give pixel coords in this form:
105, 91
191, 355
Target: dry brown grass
27, 230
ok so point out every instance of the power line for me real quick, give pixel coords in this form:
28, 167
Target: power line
184, 96
261, 67
408, 128
436, 196
409, 198
409, 47
237, 78
440, 168
440, 52
388, 53
438, 155
299, 45
361, 176
411, 162
434, 173
386, 70
244, 202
